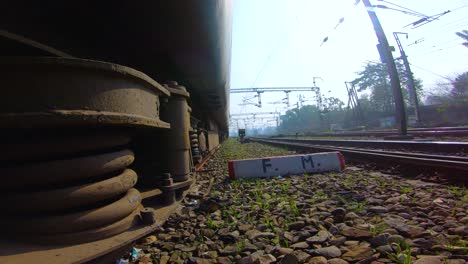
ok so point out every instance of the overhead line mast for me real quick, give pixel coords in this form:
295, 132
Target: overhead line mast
411, 86
387, 58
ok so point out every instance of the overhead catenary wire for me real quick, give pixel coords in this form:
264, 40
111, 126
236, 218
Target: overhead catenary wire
437, 49
444, 77
455, 21
448, 41
423, 21
441, 49
271, 61
463, 6
429, 47
247, 102
437, 27
403, 7
283, 40
435, 45
432, 33
447, 30
443, 41
261, 70
399, 10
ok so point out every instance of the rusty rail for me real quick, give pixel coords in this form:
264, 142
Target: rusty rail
424, 146
452, 164
419, 132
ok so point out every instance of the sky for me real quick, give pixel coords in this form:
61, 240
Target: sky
277, 43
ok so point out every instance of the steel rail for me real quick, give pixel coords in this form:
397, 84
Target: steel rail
399, 153
426, 129
427, 146
428, 161
455, 132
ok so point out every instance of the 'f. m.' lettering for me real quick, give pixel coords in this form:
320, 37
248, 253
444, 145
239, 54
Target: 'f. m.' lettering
266, 163
307, 159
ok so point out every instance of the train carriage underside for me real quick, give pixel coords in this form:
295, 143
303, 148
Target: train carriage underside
105, 110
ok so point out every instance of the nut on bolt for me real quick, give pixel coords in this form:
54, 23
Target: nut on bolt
148, 216
167, 179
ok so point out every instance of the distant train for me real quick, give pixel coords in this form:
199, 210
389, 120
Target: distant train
241, 134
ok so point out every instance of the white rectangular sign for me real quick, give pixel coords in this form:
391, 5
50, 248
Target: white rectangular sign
284, 165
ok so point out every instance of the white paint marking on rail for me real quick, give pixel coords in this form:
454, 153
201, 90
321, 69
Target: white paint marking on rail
285, 165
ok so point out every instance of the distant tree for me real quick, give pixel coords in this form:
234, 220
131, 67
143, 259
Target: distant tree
332, 104
375, 78
459, 91
454, 92
439, 95
301, 119
365, 102
310, 118
464, 35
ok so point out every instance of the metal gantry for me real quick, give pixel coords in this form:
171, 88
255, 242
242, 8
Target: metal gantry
254, 119
353, 102
286, 90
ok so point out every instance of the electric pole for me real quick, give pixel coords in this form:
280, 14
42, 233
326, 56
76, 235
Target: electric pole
411, 87
387, 58
287, 98
353, 100
319, 102
317, 93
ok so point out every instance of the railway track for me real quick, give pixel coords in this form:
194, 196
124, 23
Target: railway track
445, 164
458, 148
416, 132
338, 202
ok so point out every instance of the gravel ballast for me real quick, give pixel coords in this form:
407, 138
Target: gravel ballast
357, 216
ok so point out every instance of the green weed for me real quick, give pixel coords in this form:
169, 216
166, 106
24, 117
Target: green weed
285, 243
457, 192
406, 189
378, 227
358, 206
154, 259
458, 243
235, 184
269, 223
285, 186
293, 208
264, 205
200, 238
240, 245
402, 253
348, 181
319, 196
210, 223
